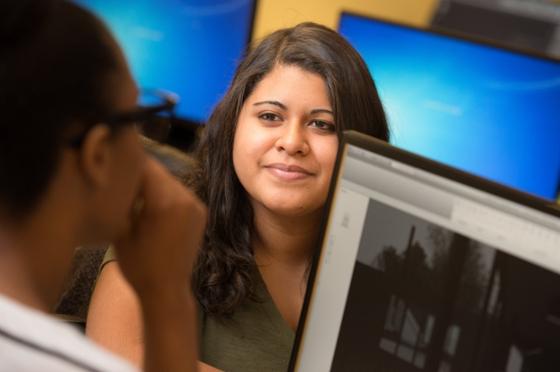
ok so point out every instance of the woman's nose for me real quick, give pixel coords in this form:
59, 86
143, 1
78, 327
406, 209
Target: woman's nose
293, 140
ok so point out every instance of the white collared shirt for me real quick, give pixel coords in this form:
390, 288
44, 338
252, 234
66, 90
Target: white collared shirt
33, 341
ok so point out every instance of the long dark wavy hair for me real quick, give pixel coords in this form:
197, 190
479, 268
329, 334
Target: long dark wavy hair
223, 276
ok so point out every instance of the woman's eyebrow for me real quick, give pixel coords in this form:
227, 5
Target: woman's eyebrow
275, 103
284, 107
322, 110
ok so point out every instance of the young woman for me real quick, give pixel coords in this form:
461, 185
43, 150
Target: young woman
265, 162
71, 169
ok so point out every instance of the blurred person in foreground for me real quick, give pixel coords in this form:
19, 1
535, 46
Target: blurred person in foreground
73, 172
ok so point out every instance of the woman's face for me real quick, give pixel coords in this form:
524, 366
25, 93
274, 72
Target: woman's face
285, 142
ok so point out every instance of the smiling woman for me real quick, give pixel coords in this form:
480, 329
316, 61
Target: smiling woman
265, 161
285, 143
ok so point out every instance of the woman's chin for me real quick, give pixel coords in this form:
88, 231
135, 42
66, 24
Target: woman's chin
293, 210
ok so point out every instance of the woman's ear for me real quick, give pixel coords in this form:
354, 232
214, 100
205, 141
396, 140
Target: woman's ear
96, 155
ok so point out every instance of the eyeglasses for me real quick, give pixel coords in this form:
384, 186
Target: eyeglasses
153, 116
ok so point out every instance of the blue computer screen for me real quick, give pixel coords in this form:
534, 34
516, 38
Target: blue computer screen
489, 111
190, 47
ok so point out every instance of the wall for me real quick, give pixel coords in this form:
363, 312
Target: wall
274, 14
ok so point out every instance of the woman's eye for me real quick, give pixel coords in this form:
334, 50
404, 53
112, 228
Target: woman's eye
268, 116
323, 125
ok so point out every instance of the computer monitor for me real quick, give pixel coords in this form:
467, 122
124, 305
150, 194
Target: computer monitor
479, 107
422, 267
189, 47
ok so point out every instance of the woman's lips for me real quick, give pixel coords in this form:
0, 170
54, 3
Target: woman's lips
288, 172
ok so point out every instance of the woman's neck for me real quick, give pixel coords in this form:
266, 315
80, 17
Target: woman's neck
284, 240
283, 247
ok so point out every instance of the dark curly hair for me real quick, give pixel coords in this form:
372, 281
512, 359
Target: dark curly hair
223, 275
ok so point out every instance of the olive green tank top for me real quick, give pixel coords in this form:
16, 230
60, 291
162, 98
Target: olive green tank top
255, 338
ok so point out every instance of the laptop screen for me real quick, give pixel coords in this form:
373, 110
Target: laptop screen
425, 268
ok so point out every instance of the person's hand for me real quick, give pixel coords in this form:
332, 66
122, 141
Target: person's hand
157, 254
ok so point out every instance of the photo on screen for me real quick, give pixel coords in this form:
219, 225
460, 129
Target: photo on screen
425, 298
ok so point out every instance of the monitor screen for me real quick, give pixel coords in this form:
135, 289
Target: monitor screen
487, 110
189, 47
423, 268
